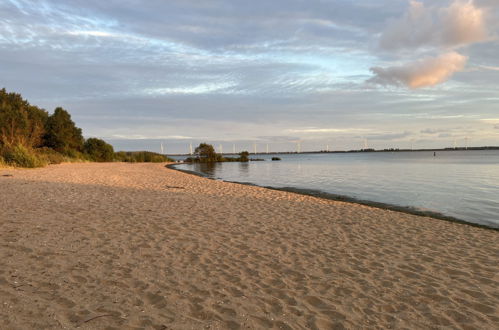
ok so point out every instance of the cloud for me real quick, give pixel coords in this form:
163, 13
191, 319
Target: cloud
147, 137
494, 120
388, 136
236, 71
432, 131
326, 130
222, 87
436, 30
487, 67
278, 138
461, 23
429, 71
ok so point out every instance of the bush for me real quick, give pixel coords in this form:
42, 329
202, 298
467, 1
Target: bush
76, 156
244, 156
141, 157
205, 153
276, 158
98, 150
22, 157
50, 156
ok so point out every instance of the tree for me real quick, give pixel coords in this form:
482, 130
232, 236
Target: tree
20, 123
244, 156
206, 153
99, 150
62, 134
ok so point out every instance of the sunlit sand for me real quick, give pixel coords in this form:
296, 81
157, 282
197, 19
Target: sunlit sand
118, 246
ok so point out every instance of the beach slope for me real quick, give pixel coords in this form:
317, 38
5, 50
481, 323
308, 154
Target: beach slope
140, 246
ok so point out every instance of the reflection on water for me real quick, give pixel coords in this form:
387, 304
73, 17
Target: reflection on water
208, 169
462, 184
212, 170
244, 168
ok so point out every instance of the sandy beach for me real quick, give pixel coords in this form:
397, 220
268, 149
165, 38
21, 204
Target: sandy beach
140, 246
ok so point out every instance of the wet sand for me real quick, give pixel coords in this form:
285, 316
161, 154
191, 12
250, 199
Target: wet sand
140, 246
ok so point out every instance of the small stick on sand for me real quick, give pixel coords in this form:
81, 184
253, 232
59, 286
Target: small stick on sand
96, 317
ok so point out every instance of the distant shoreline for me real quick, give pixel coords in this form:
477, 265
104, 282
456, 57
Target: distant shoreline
361, 151
348, 199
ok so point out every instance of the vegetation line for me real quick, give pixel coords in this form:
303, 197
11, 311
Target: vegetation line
30, 137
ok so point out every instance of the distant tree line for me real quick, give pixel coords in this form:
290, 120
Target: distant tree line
30, 137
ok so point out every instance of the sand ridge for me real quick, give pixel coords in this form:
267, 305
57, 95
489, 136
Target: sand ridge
140, 246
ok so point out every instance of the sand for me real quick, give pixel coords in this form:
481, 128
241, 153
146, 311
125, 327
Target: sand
140, 246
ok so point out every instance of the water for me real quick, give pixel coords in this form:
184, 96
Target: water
461, 184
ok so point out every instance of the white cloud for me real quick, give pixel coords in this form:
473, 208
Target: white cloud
429, 71
327, 130
461, 23
95, 33
148, 137
432, 29
197, 89
487, 67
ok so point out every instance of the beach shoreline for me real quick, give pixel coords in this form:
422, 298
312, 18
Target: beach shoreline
348, 199
117, 245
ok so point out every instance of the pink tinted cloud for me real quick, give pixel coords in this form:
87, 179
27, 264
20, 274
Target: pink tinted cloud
428, 71
461, 23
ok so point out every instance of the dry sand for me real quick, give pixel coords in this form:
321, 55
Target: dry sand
139, 246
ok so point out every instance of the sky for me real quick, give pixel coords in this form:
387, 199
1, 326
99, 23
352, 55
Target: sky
335, 74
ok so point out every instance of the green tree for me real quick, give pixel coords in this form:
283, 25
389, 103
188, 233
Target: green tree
98, 150
20, 123
62, 134
206, 153
244, 156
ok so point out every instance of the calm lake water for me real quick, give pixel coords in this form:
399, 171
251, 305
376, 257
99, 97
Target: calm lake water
461, 184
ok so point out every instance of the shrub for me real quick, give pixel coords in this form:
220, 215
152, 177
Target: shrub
75, 155
205, 153
141, 157
98, 150
120, 156
50, 156
244, 156
22, 157
276, 158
